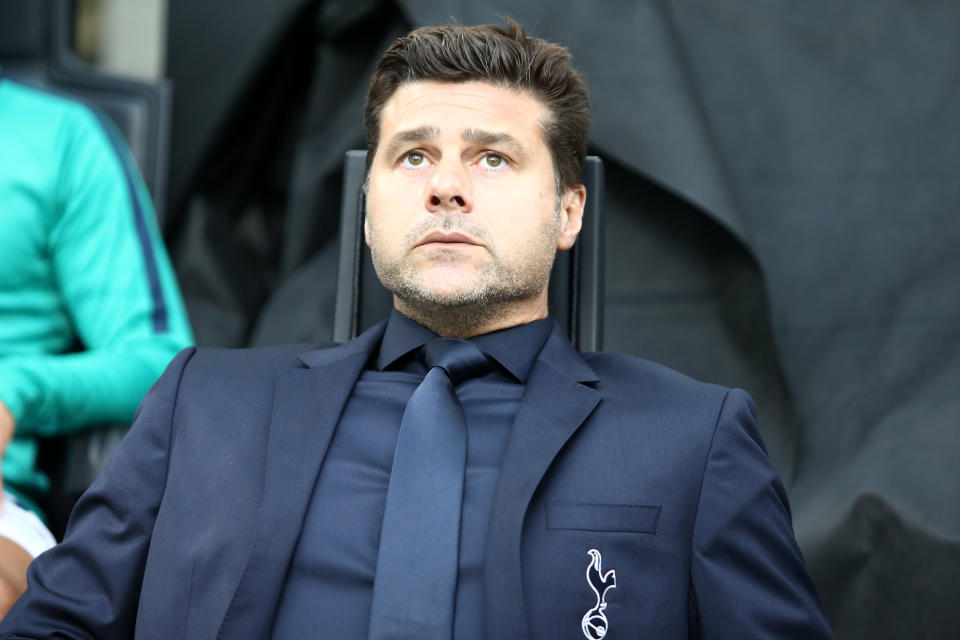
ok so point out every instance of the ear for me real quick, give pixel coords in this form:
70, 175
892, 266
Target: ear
366, 229
571, 208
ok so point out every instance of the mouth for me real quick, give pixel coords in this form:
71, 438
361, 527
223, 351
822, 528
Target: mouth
444, 240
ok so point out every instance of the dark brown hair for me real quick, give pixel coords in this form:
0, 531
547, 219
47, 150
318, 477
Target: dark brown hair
505, 57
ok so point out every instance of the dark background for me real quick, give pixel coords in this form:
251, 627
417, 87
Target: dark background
783, 181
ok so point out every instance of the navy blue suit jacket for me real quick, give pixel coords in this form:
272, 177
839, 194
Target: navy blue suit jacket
189, 531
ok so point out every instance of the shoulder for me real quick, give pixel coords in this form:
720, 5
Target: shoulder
202, 374
621, 373
240, 362
257, 362
25, 97
44, 111
71, 139
42, 126
659, 400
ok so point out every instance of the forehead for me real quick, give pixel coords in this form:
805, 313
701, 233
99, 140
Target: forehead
454, 107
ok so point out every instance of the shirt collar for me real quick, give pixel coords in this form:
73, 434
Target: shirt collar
515, 348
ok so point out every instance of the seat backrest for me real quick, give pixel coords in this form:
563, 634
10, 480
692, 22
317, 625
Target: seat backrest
35, 48
576, 282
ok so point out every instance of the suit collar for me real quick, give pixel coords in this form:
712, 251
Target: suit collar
514, 348
365, 343
560, 354
556, 402
307, 406
517, 348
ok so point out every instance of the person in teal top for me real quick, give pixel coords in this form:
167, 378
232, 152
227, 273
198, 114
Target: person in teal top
90, 311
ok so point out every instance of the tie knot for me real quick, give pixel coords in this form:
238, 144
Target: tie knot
461, 359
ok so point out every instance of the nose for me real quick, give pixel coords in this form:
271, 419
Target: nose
448, 189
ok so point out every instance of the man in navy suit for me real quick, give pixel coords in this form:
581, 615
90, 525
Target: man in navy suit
603, 495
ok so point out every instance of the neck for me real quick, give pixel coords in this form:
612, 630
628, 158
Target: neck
467, 321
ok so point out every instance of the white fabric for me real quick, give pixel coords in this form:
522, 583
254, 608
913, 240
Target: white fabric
24, 527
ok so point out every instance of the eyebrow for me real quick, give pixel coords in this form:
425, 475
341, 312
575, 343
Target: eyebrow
477, 136
494, 139
403, 138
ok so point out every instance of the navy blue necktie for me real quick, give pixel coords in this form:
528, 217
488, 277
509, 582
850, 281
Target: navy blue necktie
416, 579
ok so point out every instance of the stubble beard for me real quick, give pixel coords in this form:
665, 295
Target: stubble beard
494, 290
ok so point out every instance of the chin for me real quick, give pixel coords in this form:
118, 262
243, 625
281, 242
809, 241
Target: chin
444, 293
450, 285
452, 297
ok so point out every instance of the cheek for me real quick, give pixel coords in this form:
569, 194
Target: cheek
523, 230
378, 232
378, 213
386, 232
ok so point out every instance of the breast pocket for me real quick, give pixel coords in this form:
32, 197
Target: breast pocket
588, 516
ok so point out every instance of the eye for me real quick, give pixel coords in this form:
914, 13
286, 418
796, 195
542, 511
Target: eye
491, 160
413, 159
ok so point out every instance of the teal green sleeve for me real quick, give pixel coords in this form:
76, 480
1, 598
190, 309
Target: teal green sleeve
117, 287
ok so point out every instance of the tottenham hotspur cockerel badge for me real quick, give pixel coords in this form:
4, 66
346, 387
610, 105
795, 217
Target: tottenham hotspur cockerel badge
594, 623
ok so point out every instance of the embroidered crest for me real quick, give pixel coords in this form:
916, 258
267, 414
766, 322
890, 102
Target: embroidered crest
594, 623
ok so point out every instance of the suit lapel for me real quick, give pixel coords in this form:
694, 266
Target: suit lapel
307, 407
554, 406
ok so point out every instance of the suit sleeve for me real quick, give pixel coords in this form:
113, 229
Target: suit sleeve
749, 578
89, 585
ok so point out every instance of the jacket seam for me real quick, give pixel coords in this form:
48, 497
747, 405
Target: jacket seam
258, 536
170, 433
703, 475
